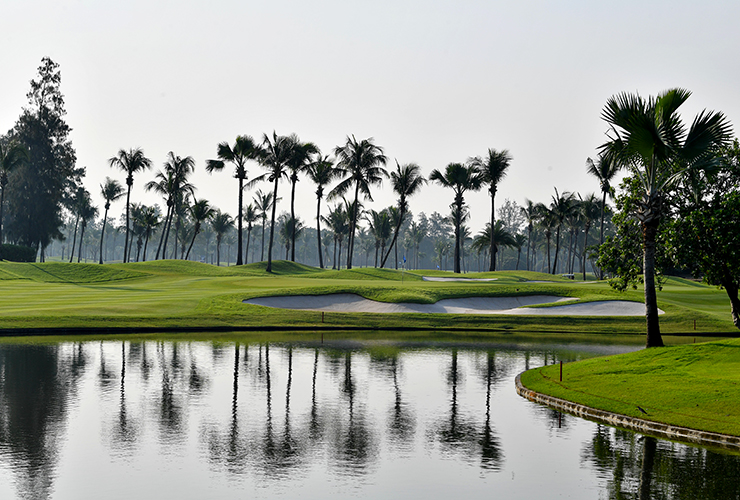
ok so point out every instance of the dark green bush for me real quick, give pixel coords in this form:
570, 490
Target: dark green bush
17, 253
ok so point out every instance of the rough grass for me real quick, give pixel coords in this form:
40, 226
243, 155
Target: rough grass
693, 385
172, 294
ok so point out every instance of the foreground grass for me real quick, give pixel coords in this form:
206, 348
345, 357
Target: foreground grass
176, 294
693, 385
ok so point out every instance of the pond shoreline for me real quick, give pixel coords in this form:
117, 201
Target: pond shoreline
657, 429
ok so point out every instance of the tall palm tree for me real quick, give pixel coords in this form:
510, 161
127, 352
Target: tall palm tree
149, 220
546, 220
605, 169
406, 181
338, 222
263, 204
648, 137
200, 211
529, 212
519, 241
11, 156
460, 178
493, 168
221, 222
111, 191
561, 207
380, 229
360, 162
322, 173
87, 212
299, 163
78, 202
243, 150
278, 152
130, 162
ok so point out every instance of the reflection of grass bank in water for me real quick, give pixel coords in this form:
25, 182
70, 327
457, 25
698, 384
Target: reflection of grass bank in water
176, 294
693, 386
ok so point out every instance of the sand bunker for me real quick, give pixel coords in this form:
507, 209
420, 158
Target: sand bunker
438, 278
347, 302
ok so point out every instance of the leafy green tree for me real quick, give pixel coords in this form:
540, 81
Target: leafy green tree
111, 191
493, 168
360, 162
648, 137
322, 173
38, 187
244, 149
221, 223
406, 181
12, 155
130, 162
460, 178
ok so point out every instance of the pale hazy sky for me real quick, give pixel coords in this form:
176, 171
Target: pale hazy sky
432, 81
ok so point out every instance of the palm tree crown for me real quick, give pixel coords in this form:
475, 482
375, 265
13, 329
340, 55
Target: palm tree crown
111, 191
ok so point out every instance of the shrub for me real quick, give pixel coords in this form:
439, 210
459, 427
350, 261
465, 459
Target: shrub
17, 253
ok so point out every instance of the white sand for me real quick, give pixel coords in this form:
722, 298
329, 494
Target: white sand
347, 302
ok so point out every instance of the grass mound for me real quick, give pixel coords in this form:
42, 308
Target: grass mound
692, 385
58, 272
369, 273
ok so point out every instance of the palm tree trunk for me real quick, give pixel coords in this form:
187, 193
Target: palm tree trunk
262, 254
102, 234
557, 249
82, 235
2, 202
292, 218
239, 260
164, 231
583, 257
146, 244
195, 233
493, 223
129, 182
249, 237
218, 250
649, 233
272, 226
334, 258
74, 241
601, 230
352, 224
318, 231
529, 243
395, 237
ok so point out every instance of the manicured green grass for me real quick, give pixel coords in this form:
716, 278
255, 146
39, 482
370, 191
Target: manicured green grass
693, 385
172, 294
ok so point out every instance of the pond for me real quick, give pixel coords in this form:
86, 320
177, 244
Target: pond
338, 419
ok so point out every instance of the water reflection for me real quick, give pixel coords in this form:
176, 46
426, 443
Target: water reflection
335, 421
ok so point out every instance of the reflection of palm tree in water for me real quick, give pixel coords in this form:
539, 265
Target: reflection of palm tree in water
315, 427
170, 413
355, 445
455, 432
491, 455
403, 423
125, 431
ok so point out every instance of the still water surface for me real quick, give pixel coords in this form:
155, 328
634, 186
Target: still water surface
342, 419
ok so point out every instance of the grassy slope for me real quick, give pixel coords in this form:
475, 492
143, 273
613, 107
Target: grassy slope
179, 293
691, 385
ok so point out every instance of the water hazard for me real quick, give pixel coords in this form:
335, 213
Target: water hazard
178, 419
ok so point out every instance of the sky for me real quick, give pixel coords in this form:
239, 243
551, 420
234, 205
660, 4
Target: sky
433, 82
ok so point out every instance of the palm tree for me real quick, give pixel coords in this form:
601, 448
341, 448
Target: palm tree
460, 178
200, 211
111, 191
417, 232
130, 162
500, 235
299, 162
561, 207
244, 149
493, 169
149, 220
263, 204
529, 212
171, 184
277, 155
546, 220
338, 222
589, 208
250, 217
221, 222
86, 213
406, 181
321, 172
604, 169
287, 228
11, 156
380, 229
78, 202
648, 137
519, 241
361, 163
